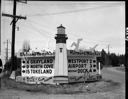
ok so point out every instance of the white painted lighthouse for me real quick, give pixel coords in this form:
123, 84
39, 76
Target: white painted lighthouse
61, 67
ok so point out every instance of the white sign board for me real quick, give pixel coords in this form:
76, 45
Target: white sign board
37, 67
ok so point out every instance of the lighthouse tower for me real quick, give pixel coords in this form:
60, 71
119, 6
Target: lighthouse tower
61, 68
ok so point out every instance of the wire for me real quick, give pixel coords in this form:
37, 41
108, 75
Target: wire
73, 11
88, 40
38, 30
50, 31
74, 36
76, 4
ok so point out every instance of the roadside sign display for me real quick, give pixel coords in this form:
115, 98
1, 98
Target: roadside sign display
38, 66
82, 66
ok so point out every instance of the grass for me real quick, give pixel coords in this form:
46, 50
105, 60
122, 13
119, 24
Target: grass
76, 88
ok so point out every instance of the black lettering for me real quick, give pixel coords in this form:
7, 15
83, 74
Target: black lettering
69, 60
80, 65
48, 65
50, 71
36, 66
73, 60
72, 70
69, 66
72, 65
47, 71
45, 61
82, 70
27, 71
79, 70
48, 61
51, 60
32, 61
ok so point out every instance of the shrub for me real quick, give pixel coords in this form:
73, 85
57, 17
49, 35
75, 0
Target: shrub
17, 64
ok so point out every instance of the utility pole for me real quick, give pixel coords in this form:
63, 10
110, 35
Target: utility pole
7, 52
7, 42
126, 50
15, 19
108, 53
0, 41
13, 34
0, 26
108, 48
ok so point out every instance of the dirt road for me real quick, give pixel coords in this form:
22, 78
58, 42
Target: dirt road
116, 76
113, 74
108, 73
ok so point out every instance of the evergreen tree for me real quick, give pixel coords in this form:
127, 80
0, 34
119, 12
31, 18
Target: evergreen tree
103, 57
17, 64
114, 59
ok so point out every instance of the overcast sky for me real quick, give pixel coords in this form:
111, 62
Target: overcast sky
96, 22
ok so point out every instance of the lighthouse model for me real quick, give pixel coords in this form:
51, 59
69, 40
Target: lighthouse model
61, 68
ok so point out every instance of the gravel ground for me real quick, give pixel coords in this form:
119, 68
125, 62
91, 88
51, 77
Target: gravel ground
112, 88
